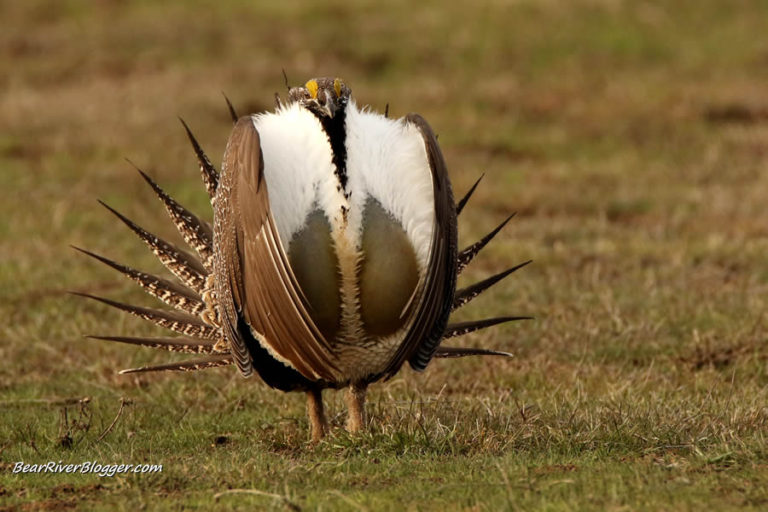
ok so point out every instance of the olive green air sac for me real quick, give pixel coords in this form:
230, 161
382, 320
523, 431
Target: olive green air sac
316, 267
389, 272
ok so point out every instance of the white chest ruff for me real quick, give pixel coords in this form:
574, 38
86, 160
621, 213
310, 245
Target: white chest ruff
385, 161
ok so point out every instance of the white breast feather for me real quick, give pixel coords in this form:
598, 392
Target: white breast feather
387, 160
298, 167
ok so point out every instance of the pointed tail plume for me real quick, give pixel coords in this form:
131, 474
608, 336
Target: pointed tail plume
209, 172
452, 352
470, 252
463, 296
181, 323
232, 113
179, 344
463, 202
462, 328
190, 365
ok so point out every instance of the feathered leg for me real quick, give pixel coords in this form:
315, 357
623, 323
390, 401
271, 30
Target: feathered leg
318, 423
356, 405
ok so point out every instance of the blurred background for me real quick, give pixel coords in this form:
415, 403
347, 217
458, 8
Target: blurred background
630, 136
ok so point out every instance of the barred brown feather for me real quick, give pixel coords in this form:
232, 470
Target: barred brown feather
209, 172
180, 344
185, 366
170, 293
196, 233
181, 323
182, 264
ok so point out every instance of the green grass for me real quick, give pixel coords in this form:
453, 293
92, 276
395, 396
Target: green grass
630, 137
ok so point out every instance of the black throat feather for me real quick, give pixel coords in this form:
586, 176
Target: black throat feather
335, 129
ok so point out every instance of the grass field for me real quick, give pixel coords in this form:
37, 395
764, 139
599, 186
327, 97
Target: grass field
630, 137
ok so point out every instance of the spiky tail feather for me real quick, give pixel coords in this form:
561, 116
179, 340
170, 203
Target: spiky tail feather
209, 172
190, 365
466, 255
179, 344
182, 323
462, 328
232, 113
451, 352
461, 204
465, 295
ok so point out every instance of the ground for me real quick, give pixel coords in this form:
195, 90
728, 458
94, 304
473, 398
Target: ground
631, 138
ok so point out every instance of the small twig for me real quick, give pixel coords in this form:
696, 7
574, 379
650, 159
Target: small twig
288, 503
248, 491
31, 440
521, 410
440, 393
44, 401
114, 422
349, 500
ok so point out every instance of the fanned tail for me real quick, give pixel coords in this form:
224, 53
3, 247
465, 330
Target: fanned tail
195, 318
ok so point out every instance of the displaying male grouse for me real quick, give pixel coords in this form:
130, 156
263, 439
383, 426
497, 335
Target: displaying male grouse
332, 260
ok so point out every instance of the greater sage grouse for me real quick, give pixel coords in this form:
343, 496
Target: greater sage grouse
332, 259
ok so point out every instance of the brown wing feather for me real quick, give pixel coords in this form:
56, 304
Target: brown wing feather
254, 279
423, 338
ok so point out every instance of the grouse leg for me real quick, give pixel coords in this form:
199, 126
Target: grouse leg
317, 419
356, 405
